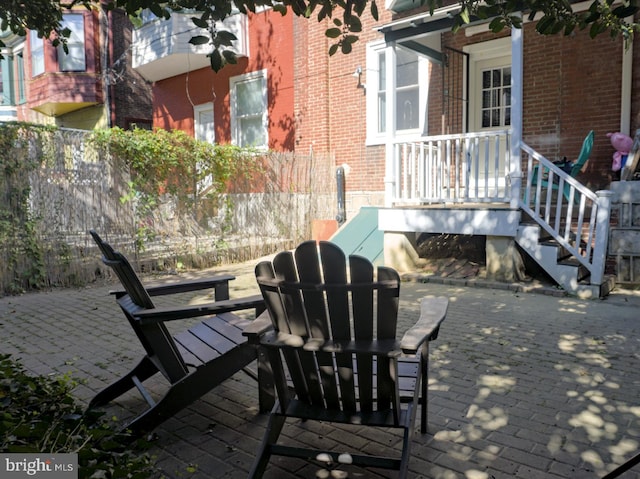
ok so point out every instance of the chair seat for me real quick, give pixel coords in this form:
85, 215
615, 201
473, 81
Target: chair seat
211, 338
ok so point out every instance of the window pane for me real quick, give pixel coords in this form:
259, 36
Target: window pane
382, 112
249, 95
37, 54
3, 72
496, 97
486, 123
75, 59
406, 68
252, 132
382, 71
21, 81
486, 80
407, 109
249, 110
506, 76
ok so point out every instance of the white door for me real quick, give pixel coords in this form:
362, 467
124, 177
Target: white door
490, 110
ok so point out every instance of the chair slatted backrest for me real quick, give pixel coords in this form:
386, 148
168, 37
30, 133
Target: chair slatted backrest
155, 337
585, 153
312, 294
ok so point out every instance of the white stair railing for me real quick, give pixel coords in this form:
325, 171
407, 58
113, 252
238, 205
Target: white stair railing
573, 215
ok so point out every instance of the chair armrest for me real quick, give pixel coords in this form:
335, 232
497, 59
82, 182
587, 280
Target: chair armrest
432, 313
156, 315
258, 327
191, 285
220, 283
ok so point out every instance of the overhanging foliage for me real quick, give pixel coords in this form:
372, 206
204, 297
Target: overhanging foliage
554, 16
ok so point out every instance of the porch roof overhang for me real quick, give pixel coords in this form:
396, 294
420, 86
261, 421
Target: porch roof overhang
412, 31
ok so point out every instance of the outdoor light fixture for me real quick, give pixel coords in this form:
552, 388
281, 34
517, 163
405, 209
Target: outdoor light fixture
358, 74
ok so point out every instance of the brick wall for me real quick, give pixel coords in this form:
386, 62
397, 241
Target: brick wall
174, 97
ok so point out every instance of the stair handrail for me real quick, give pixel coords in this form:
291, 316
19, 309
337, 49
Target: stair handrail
588, 240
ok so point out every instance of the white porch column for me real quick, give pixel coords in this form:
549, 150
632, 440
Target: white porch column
515, 166
390, 179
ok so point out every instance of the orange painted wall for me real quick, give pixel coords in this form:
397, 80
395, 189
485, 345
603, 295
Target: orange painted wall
271, 48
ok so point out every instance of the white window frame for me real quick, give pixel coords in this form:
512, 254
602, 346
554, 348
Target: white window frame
375, 137
36, 50
478, 52
204, 132
75, 43
235, 120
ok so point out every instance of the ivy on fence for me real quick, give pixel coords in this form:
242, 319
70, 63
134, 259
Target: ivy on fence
185, 201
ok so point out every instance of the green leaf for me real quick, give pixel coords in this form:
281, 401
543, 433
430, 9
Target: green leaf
464, 15
346, 47
333, 49
544, 24
224, 37
337, 22
199, 40
496, 25
215, 59
230, 56
355, 25
280, 8
625, 11
333, 32
374, 10
199, 22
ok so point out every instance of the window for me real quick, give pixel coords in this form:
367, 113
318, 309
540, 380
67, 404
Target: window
203, 122
496, 97
249, 122
6, 93
74, 61
409, 97
22, 92
37, 54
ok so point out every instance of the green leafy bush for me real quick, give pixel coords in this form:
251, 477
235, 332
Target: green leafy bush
39, 414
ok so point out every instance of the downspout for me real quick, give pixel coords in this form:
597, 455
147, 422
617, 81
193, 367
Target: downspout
625, 87
105, 20
390, 178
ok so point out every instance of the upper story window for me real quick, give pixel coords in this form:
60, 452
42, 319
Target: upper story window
249, 117
75, 60
409, 95
37, 53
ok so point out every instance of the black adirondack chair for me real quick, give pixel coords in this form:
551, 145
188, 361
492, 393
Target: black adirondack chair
331, 339
194, 361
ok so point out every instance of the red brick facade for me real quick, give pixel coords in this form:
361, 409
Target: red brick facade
175, 97
572, 84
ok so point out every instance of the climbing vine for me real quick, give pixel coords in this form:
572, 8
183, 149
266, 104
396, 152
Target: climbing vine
171, 163
23, 254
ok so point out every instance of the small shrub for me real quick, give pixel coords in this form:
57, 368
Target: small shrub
38, 414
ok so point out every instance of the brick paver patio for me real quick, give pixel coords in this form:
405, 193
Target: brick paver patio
521, 385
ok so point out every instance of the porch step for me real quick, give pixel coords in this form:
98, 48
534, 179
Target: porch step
569, 273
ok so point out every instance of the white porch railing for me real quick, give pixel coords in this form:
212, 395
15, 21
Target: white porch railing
474, 168
452, 168
576, 217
